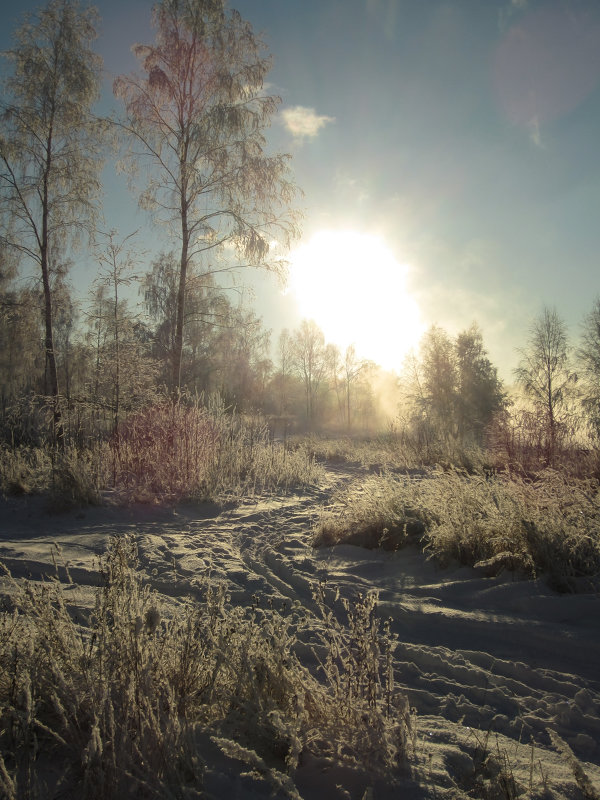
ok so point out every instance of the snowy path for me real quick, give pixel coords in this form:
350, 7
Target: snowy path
475, 654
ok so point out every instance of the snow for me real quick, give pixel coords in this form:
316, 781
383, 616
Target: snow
490, 664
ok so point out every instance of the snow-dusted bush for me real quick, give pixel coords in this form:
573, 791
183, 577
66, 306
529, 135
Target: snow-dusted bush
550, 525
136, 700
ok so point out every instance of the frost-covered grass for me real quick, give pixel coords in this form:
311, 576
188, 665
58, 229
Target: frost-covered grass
550, 525
69, 479
166, 452
392, 451
134, 700
185, 451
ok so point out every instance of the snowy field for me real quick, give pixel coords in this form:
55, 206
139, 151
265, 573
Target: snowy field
492, 665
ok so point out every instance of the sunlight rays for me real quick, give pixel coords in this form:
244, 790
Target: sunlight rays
351, 284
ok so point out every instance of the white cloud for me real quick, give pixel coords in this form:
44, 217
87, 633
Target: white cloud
304, 122
534, 132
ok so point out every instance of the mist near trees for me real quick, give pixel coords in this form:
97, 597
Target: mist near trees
190, 132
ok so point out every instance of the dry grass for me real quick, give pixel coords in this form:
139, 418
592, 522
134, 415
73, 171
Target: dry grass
380, 452
381, 511
551, 525
25, 470
131, 702
163, 453
175, 452
68, 479
587, 789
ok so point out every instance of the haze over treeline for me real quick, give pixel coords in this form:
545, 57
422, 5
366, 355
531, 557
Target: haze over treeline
190, 133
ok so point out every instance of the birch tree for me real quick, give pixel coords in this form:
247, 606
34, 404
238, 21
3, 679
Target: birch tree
544, 373
194, 121
310, 360
588, 355
49, 148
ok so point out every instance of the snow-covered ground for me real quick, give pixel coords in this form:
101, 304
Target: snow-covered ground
491, 664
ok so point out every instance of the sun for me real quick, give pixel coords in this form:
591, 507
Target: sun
354, 288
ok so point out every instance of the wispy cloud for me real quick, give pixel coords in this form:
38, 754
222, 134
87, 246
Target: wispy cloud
513, 7
304, 123
535, 133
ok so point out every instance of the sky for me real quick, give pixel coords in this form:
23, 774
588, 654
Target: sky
454, 143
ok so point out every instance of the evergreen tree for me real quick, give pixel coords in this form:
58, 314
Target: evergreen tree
479, 391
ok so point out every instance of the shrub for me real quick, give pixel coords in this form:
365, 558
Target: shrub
70, 478
76, 478
133, 702
382, 511
163, 451
175, 451
551, 525
24, 470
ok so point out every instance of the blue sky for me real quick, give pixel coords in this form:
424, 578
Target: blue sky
463, 134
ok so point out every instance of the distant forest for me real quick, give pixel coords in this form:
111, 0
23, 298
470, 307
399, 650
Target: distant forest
190, 134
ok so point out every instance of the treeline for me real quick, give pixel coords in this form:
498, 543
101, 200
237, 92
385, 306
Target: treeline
115, 356
452, 397
190, 131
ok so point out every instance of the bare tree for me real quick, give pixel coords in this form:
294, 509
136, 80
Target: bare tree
353, 367
282, 378
544, 373
310, 359
439, 385
588, 355
117, 261
195, 119
49, 162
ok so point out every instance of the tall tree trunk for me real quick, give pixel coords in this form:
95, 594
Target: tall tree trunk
59, 433
117, 361
551, 423
178, 346
51, 359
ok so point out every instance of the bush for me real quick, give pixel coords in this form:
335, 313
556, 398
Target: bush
76, 478
133, 702
70, 478
551, 525
24, 470
383, 511
175, 451
164, 451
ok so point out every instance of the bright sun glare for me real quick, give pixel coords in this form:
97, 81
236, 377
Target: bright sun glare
351, 285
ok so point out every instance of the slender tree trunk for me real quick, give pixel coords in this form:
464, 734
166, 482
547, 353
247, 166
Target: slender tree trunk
551, 423
117, 355
51, 358
348, 403
59, 433
178, 348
